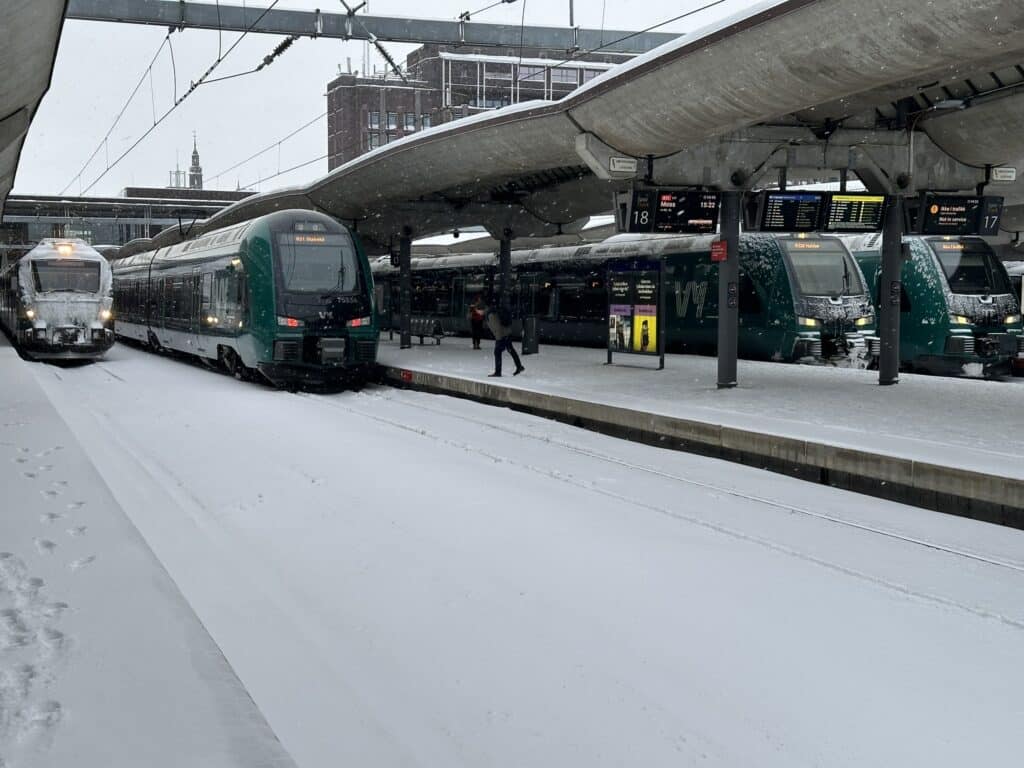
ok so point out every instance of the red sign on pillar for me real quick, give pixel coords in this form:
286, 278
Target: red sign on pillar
719, 250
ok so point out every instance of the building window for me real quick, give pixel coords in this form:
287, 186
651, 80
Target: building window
531, 74
425, 120
392, 121
590, 74
410, 122
374, 121
501, 73
374, 140
568, 76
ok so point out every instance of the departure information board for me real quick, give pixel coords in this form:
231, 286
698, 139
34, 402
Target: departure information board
854, 213
683, 211
805, 211
959, 215
791, 211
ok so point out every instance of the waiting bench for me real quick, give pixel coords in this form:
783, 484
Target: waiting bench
427, 327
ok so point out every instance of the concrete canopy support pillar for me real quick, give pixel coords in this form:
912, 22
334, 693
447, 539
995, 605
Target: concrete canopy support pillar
889, 293
728, 291
405, 288
505, 270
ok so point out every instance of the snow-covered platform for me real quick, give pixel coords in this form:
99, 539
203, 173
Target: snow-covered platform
951, 444
102, 661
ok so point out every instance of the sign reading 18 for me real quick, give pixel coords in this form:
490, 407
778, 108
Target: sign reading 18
641, 217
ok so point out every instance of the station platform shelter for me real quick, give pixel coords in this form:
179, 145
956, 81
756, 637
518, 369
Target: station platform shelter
954, 445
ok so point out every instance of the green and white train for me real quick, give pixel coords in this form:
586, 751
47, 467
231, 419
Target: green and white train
959, 314
287, 297
801, 299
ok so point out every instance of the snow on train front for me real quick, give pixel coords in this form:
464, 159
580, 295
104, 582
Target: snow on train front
56, 301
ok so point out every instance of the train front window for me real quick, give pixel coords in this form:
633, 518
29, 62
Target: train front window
823, 268
56, 275
971, 267
317, 263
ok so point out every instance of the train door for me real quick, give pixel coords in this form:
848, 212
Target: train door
193, 287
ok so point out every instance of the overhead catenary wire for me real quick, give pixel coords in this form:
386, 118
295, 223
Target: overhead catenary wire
618, 40
468, 15
146, 73
269, 147
178, 101
286, 170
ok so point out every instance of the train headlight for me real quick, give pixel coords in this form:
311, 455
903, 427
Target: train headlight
30, 314
862, 321
1012, 319
959, 320
105, 314
289, 322
807, 322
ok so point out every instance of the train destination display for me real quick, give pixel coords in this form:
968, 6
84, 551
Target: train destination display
634, 308
681, 211
959, 215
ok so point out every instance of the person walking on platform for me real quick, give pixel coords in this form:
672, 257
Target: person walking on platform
476, 320
500, 323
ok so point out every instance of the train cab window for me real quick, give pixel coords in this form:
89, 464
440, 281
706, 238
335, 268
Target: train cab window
970, 266
57, 275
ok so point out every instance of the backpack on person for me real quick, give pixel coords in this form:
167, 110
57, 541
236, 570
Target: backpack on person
505, 316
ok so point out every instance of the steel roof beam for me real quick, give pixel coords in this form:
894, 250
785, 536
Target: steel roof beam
193, 15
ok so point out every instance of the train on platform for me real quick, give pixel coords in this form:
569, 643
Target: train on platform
286, 298
801, 298
55, 302
959, 312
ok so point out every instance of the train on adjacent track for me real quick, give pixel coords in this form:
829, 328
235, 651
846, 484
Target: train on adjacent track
285, 297
959, 313
55, 301
801, 298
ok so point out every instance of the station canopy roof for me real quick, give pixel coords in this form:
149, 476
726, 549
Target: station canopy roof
29, 31
800, 64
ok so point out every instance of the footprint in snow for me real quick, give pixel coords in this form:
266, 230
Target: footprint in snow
76, 505
82, 562
19, 460
78, 530
29, 475
51, 493
51, 517
45, 467
45, 546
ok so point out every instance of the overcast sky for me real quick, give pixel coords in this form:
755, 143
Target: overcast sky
98, 65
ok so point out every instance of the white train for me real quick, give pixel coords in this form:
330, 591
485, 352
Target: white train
55, 302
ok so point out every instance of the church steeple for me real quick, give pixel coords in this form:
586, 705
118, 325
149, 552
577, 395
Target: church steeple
195, 171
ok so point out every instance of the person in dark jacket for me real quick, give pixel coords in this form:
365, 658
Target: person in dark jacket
476, 320
501, 327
